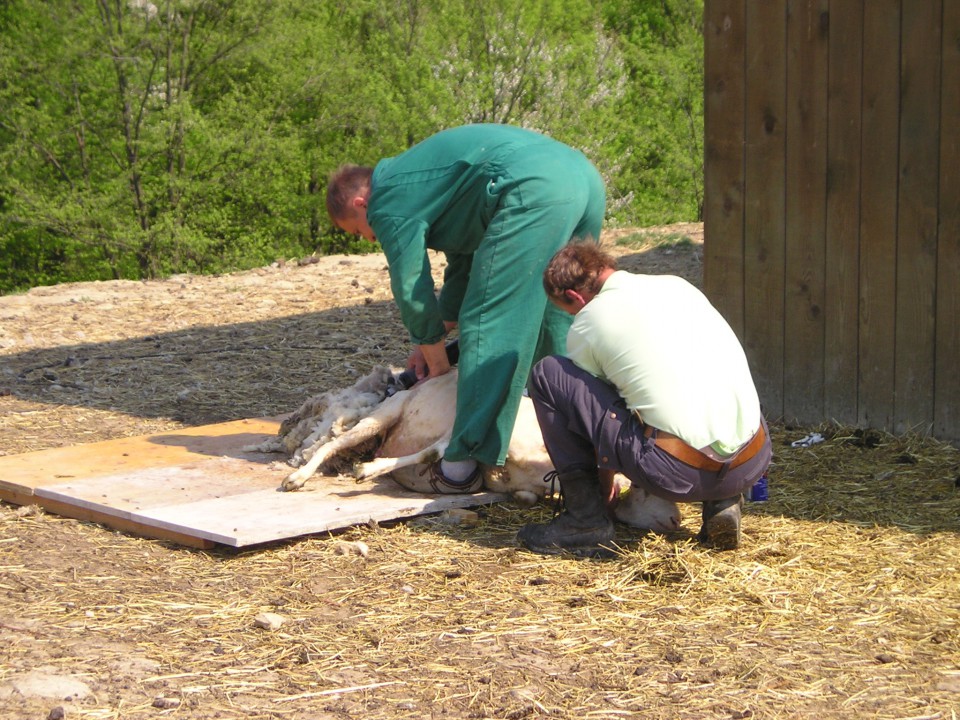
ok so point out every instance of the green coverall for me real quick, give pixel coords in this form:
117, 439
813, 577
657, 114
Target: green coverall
499, 201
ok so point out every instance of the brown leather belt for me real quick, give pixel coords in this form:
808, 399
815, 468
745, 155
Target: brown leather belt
673, 445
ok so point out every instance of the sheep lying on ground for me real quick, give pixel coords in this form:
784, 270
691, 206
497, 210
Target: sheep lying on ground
326, 416
413, 427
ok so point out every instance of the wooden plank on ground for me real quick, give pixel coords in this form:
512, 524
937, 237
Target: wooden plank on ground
842, 267
199, 487
917, 216
947, 380
766, 72
22, 474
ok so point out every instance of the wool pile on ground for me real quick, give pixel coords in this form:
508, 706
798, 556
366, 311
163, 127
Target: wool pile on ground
844, 601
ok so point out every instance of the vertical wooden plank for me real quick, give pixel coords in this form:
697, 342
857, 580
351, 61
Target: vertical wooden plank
723, 162
946, 386
841, 272
917, 215
878, 208
764, 197
807, 38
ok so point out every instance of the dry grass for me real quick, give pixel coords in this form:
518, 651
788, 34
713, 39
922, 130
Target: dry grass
844, 601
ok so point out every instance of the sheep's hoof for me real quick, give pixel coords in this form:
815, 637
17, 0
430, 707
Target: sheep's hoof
525, 498
292, 483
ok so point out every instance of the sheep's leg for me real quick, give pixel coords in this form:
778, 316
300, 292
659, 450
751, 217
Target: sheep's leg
382, 466
384, 417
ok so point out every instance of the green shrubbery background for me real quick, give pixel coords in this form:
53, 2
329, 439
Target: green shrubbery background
140, 138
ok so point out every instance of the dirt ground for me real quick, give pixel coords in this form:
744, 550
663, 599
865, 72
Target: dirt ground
844, 601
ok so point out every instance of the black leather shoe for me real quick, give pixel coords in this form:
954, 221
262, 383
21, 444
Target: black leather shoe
565, 534
721, 523
583, 528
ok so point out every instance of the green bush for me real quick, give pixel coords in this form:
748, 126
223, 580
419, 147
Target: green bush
197, 137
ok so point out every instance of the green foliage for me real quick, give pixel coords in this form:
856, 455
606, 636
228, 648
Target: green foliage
647, 239
142, 138
659, 141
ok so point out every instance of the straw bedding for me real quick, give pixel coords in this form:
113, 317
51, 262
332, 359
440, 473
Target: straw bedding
843, 602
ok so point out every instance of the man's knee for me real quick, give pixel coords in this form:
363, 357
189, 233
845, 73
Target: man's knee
541, 376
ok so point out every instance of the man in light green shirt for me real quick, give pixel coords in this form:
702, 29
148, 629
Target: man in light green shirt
656, 386
688, 378
498, 201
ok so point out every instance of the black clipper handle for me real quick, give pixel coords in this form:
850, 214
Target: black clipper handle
408, 378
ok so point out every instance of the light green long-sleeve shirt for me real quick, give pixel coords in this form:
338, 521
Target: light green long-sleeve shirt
672, 356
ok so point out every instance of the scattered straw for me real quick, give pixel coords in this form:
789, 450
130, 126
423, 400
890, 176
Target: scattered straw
842, 602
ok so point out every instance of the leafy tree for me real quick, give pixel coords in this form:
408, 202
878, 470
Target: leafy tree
144, 137
114, 143
659, 139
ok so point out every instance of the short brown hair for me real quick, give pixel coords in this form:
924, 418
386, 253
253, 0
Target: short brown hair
576, 267
346, 183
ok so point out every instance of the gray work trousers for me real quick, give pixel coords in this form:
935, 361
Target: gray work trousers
586, 424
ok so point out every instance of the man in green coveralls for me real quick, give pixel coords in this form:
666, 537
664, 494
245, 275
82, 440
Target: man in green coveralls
498, 201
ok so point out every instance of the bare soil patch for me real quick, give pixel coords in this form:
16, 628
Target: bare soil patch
842, 603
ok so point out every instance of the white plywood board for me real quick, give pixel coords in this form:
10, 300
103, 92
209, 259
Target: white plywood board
200, 487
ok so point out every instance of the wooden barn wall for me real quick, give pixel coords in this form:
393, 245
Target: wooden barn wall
832, 216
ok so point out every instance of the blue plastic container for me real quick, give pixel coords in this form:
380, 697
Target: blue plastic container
758, 493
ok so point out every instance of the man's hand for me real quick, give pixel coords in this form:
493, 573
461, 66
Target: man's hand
608, 488
430, 357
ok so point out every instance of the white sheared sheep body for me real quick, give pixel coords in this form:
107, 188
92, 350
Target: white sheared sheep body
415, 427
328, 415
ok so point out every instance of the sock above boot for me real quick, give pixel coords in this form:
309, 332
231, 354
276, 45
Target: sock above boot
458, 470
